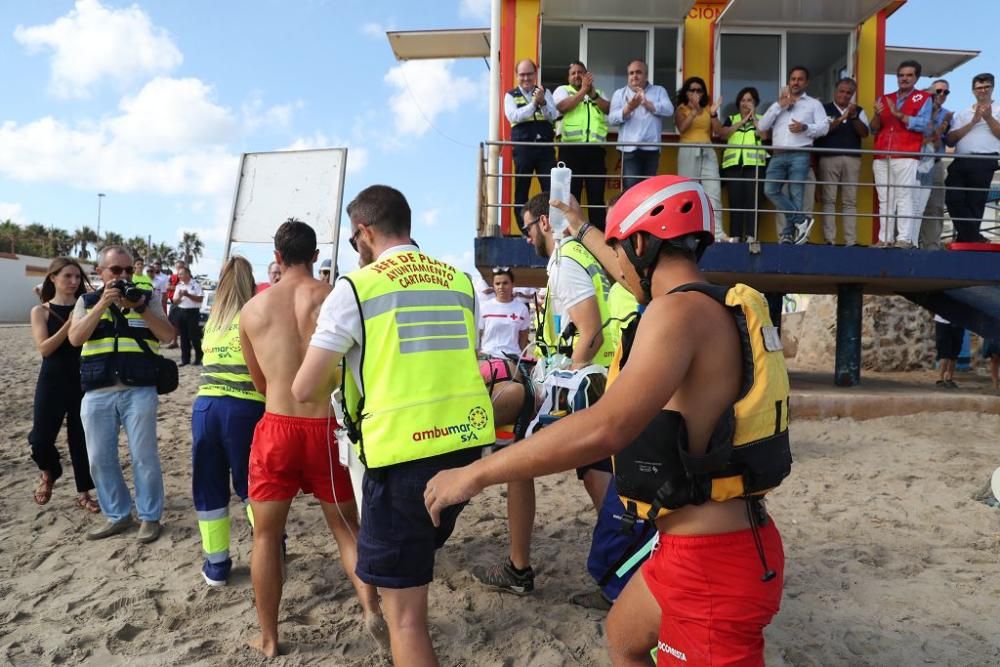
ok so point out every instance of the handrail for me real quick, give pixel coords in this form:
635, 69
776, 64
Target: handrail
813, 208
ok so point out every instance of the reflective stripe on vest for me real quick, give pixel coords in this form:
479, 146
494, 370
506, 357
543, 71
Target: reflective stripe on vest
225, 372
420, 394
549, 339
750, 157
521, 101
102, 341
585, 122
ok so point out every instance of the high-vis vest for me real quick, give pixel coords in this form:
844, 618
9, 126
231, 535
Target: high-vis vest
421, 393
622, 309
748, 454
535, 128
549, 342
748, 157
224, 371
142, 281
111, 354
894, 135
585, 123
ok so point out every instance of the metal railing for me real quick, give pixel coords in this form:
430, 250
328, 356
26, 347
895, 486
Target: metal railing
988, 228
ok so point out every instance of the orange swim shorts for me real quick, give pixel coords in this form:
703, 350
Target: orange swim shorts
292, 453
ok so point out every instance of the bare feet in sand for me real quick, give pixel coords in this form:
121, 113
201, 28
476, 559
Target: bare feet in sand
377, 630
269, 649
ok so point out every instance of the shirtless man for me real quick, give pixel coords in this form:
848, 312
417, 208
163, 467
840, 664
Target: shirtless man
294, 446
702, 597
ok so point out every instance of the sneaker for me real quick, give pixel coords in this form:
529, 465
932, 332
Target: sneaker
905, 245
109, 528
785, 239
591, 600
148, 531
802, 230
505, 577
213, 582
951, 384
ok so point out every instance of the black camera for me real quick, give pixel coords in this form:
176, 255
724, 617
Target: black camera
129, 290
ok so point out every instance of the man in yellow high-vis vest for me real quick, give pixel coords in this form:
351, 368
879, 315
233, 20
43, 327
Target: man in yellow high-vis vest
415, 403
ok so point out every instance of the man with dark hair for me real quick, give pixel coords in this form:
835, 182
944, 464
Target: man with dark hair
414, 401
899, 124
188, 296
583, 108
977, 132
638, 109
576, 300
119, 379
294, 445
531, 112
841, 171
795, 121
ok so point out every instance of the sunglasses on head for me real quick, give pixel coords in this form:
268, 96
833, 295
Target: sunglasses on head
497, 270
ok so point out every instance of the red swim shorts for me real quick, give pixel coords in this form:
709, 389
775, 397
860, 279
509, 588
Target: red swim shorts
713, 604
292, 453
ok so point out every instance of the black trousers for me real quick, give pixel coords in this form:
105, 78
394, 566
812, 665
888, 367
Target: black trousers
529, 160
187, 324
587, 160
741, 195
964, 206
57, 399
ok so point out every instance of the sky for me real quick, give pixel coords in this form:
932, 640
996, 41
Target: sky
152, 103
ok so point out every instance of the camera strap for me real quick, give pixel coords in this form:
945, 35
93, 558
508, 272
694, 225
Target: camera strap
122, 320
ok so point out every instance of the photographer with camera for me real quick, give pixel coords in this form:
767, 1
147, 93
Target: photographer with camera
187, 300
119, 379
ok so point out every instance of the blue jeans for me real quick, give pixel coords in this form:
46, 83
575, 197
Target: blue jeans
638, 163
787, 166
103, 414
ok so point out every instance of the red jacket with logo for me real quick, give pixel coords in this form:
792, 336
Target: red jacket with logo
894, 135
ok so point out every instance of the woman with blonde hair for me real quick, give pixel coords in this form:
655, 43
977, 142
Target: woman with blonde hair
57, 392
225, 414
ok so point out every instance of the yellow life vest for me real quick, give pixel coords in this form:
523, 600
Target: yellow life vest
420, 393
748, 453
584, 123
225, 372
749, 157
549, 342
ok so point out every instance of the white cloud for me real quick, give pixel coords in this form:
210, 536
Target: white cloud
357, 157
93, 42
464, 261
430, 217
171, 115
374, 30
12, 212
474, 9
279, 116
424, 89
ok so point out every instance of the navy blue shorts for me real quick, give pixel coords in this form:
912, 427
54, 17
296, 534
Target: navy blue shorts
604, 465
397, 541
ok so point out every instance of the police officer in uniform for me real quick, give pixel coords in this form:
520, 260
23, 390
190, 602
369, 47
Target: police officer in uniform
531, 113
415, 403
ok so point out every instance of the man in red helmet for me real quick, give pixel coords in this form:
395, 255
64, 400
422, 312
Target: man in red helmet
701, 599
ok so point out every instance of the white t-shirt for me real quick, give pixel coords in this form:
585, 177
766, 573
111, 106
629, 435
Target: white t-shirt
501, 324
192, 288
339, 328
569, 284
980, 138
160, 284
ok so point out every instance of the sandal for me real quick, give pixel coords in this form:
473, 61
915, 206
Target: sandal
86, 502
43, 492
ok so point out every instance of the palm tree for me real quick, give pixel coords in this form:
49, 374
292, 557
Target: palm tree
59, 242
165, 253
84, 237
137, 247
190, 248
112, 238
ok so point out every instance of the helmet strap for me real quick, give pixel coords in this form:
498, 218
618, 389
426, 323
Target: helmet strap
645, 264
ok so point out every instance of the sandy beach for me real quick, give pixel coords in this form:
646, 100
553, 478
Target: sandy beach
889, 560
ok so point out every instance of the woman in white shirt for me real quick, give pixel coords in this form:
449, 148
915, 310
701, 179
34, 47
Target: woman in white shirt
503, 321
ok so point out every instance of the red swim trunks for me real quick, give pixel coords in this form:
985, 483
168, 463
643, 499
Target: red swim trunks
713, 604
292, 453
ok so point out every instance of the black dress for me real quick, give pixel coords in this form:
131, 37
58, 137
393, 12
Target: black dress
57, 398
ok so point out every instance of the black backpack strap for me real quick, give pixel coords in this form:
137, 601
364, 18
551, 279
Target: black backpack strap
122, 320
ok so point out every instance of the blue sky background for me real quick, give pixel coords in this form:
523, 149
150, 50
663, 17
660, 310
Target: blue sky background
152, 103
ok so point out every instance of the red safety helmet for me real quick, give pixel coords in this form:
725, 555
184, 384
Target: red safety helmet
671, 209
668, 207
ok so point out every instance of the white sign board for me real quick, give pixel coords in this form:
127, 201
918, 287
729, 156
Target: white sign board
307, 185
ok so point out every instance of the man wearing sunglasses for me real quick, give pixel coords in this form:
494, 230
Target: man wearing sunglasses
933, 210
976, 133
119, 382
639, 109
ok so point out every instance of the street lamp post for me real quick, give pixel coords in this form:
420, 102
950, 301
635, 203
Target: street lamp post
100, 196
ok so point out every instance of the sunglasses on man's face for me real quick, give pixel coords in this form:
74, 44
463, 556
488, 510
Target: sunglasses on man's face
354, 238
118, 270
942, 91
